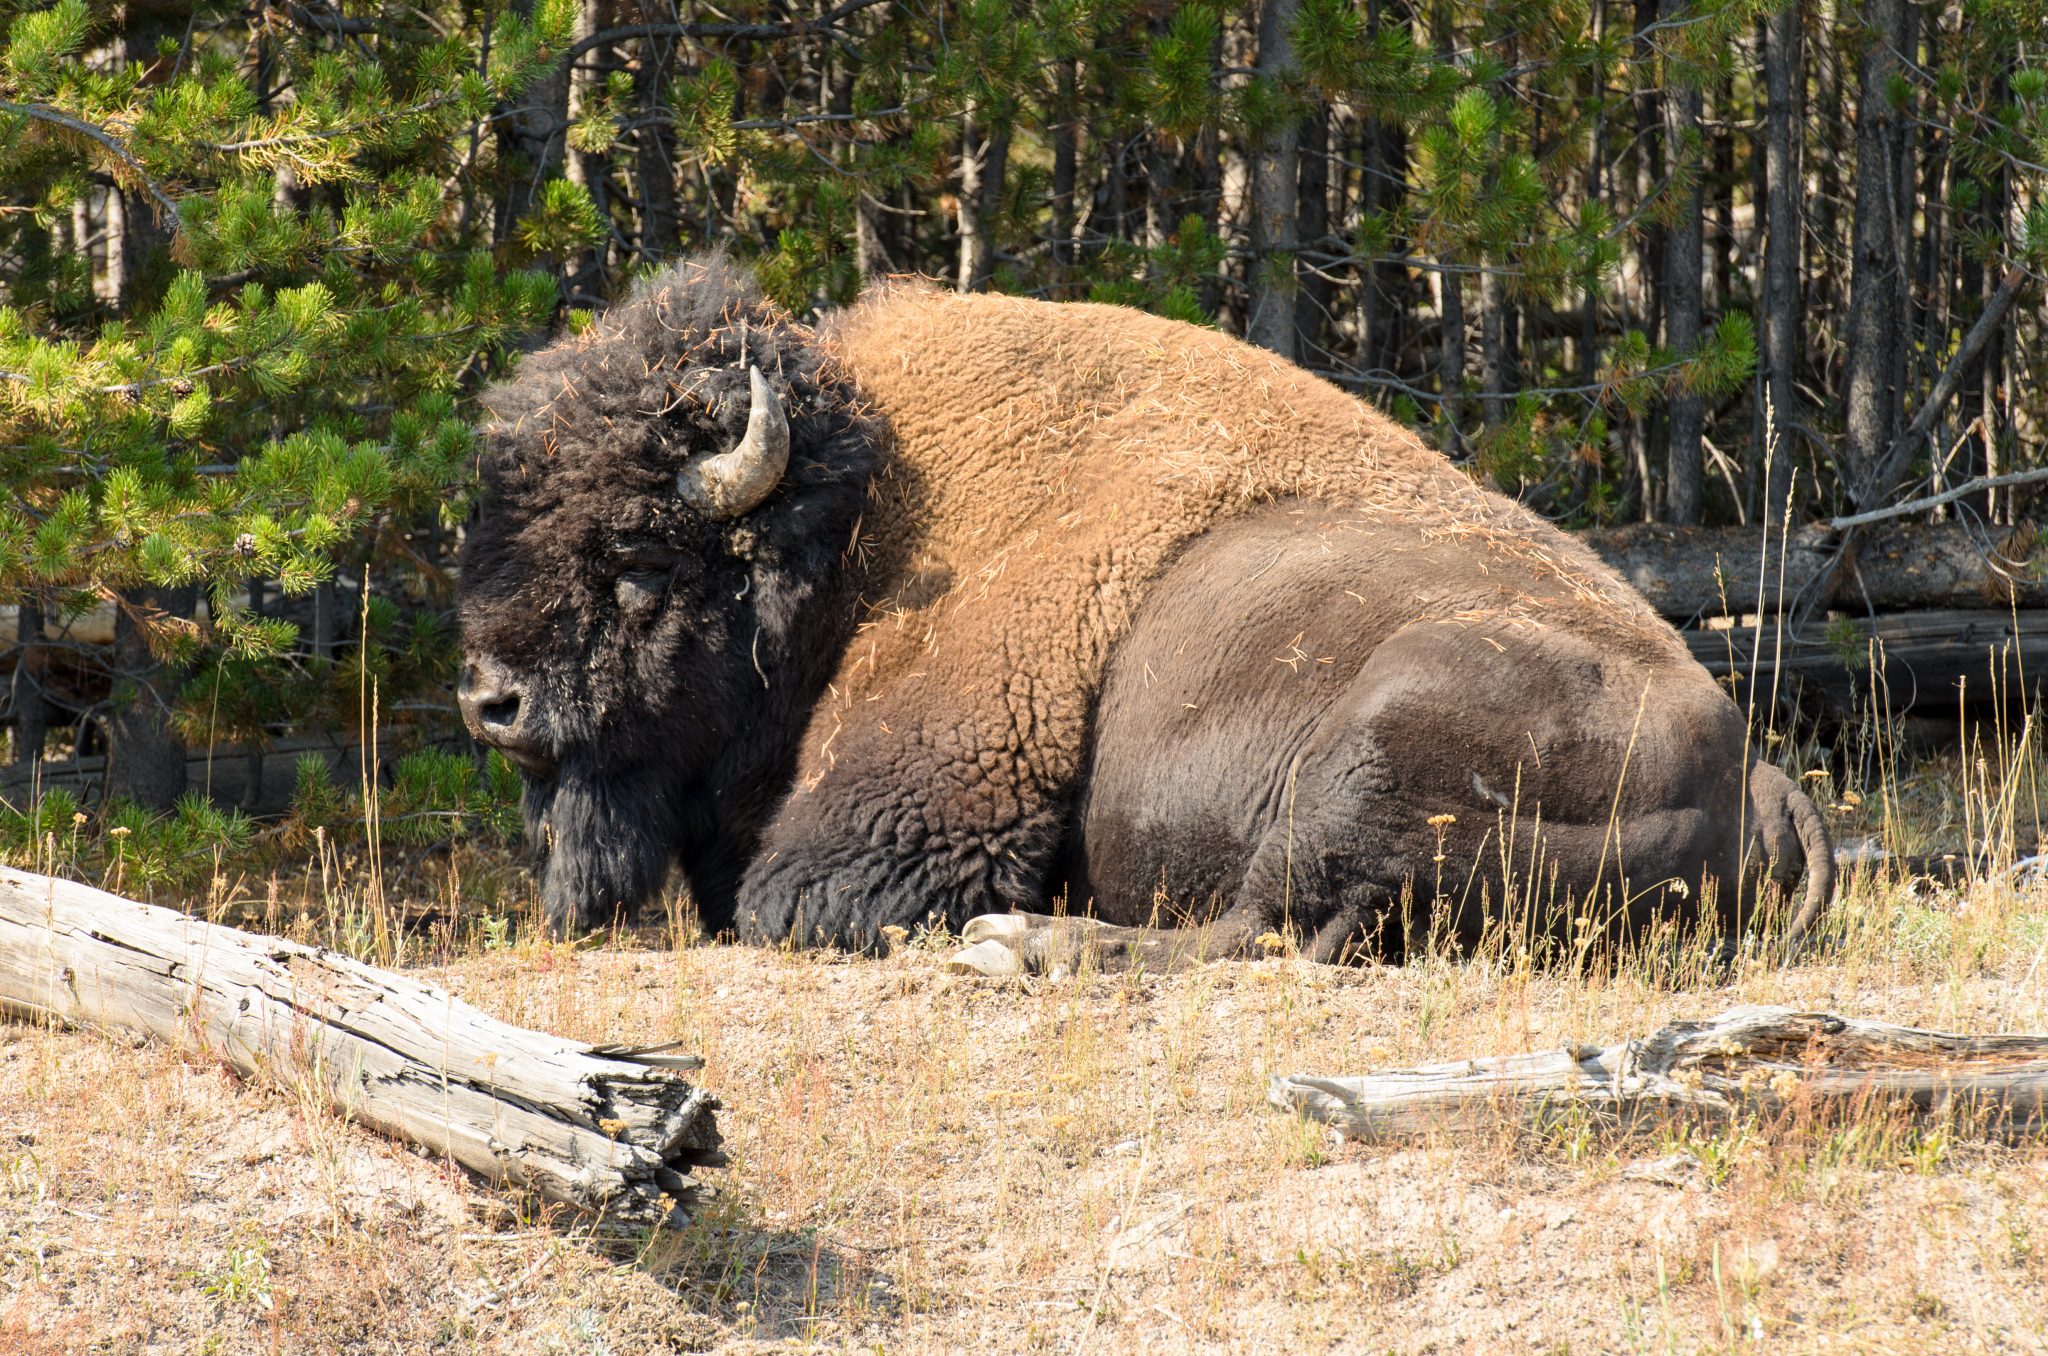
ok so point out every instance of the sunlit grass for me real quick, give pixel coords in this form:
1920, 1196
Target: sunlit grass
924, 1161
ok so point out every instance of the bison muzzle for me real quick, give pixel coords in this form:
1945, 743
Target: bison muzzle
967, 605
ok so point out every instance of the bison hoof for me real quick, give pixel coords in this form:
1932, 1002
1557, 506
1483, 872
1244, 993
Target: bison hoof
990, 958
995, 925
1003, 944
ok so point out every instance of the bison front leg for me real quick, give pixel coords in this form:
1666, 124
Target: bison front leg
909, 827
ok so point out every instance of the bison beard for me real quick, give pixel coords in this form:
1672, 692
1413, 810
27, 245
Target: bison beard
967, 604
607, 843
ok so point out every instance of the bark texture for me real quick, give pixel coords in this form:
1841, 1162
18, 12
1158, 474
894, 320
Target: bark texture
1763, 1060
1270, 321
603, 1128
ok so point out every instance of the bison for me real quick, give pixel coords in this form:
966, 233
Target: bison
960, 606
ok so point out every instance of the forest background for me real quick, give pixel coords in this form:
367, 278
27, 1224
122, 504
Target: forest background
1687, 261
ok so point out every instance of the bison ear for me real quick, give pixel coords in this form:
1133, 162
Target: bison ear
732, 483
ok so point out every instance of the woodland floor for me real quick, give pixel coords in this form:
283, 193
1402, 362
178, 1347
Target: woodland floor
929, 1162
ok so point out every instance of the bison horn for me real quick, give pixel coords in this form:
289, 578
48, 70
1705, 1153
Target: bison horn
731, 483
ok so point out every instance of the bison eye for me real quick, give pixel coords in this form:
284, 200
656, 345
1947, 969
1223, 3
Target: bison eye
639, 590
644, 570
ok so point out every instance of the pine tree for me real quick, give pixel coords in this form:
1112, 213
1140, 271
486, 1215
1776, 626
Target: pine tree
246, 292
258, 259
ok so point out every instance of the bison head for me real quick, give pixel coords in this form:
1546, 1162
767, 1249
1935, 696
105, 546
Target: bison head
653, 587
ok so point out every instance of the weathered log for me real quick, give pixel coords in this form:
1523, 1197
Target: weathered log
1688, 572
611, 1130
1749, 1059
1904, 660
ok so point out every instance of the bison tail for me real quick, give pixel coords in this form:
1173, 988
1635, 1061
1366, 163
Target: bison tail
1819, 851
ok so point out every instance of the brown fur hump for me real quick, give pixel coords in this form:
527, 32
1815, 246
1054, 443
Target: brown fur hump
1047, 460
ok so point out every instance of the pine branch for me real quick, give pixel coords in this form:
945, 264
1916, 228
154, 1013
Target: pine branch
58, 118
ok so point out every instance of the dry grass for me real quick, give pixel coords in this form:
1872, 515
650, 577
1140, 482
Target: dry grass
929, 1162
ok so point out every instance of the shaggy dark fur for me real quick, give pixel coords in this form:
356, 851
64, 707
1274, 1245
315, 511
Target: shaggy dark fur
664, 663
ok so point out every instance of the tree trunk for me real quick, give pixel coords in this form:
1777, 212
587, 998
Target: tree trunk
1871, 330
1878, 481
31, 710
1162, 192
984, 161
531, 137
590, 170
1646, 161
1383, 186
145, 757
113, 281
1312, 220
654, 154
1493, 369
1781, 299
1722, 185
1275, 195
605, 1129
1748, 1061
1990, 367
321, 635
1450, 306
1066, 159
1682, 300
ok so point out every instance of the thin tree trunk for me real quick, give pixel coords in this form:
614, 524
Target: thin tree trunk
984, 161
531, 136
1682, 301
114, 279
1312, 218
1493, 371
1904, 175
31, 710
145, 757
590, 170
1275, 197
1647, 162
1383, 183
1995, 402
321, 637
1584, 468
1723, 188
654, 154
1066, 161
1871, 330
1450, 306
1781, 299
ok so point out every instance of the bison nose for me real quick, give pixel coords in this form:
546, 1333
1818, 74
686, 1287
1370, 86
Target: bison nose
490, 702
494, 709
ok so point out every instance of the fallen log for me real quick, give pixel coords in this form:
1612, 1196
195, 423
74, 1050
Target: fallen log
1689, 572
608, 1129
1757, 1059
1903, 660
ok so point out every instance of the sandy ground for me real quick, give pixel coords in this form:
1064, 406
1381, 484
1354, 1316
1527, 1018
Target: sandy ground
924, 1162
